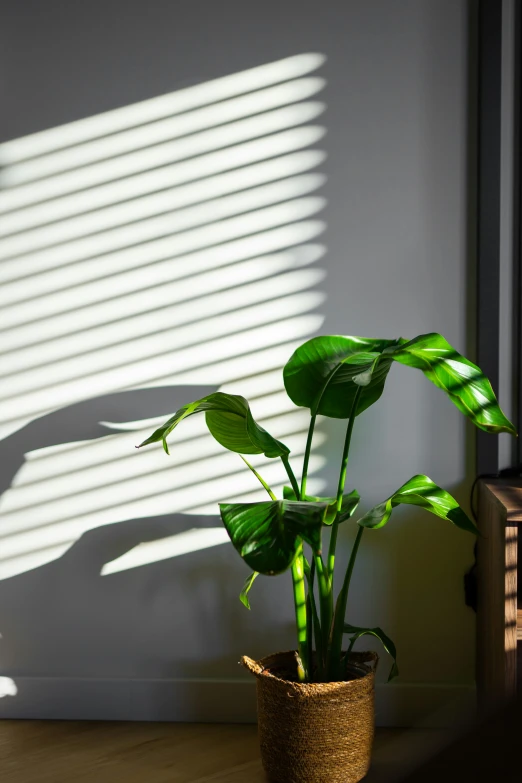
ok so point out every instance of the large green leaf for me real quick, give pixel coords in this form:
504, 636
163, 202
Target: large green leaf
243, 595
267, 534
325, 373
349, 504
379, 634
464, 382
230, 421
320, 374
420, 491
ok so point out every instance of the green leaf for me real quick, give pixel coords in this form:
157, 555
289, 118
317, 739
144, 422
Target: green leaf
349, 504
464, 382
379, 634
258, 477
324, 373
321, 374
230, 421
243, 596
420, 491
267, 534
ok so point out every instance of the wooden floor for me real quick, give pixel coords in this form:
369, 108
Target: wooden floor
66, 752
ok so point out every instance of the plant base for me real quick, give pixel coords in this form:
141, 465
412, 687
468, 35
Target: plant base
314, 732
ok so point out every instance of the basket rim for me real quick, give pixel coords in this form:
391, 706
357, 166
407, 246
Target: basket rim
260, 669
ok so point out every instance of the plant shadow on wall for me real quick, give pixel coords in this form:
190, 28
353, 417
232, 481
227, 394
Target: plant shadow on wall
126, 239
69, 617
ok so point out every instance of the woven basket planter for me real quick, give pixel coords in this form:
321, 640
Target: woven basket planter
314, 732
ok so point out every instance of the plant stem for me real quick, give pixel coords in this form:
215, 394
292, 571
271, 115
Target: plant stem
326, 604
301, 613
307, 454
313, 619
342, 480
258, 477
314, 411
336, 641
290, 474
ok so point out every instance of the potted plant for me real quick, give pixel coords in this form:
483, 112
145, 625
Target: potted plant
315, 704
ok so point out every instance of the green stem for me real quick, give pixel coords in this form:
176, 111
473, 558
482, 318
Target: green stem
334, 654
314, 410
309, 626
290, 474
313, 619
307, 454
325, 603
342, 481
301, 614
258, 477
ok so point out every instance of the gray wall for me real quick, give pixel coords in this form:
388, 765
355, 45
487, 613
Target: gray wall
396, 264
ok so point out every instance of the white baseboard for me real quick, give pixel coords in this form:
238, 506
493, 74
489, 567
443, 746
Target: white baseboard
213, 701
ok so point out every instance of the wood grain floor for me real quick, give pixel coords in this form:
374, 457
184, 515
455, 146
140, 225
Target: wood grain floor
65, 752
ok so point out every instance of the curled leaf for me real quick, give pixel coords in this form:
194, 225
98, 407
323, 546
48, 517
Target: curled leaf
230, 421
379, 634
243, 596
423, 492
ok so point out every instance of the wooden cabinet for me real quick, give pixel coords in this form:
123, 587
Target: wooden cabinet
499, 615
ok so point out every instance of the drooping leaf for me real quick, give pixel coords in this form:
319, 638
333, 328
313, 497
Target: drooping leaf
243, 596
267, 534
379, 634
230, 421
348, 506
324, 374
464, 382
320, 374
420, 491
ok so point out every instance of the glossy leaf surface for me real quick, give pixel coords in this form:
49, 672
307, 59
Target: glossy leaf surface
249, 581
464, 382
420, 491
267, 534
324, 373
385, 640
230, 421
349, 504
321, 373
